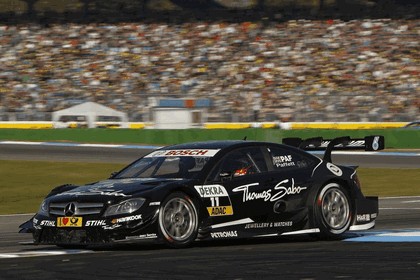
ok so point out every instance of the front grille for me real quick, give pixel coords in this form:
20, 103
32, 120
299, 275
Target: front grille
78, 208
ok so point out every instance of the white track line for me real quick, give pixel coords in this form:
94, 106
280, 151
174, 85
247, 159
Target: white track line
42, 253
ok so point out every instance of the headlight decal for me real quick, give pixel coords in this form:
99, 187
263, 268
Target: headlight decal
125, 207
44, 208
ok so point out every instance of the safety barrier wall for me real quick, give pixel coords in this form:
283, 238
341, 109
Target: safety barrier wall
401, 138
26, 125
237, 125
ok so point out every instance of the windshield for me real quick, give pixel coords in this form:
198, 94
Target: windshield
168, 164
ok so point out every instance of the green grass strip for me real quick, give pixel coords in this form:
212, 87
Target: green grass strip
394, 138
24, 184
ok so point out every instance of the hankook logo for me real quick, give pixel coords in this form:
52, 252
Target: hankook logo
70, 209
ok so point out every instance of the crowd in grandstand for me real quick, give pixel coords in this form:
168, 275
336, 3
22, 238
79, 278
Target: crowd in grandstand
298, 70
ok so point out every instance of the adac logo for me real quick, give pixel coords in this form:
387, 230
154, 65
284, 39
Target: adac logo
220, 210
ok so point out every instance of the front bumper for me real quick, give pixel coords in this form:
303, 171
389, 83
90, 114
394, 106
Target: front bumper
50, 230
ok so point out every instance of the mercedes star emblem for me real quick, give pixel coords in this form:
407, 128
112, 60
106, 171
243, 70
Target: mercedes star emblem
70, 209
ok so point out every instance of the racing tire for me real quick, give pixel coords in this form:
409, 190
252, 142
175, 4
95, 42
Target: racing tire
178, 220
333, 211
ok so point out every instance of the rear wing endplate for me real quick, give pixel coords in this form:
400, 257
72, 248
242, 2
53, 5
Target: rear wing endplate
369, 143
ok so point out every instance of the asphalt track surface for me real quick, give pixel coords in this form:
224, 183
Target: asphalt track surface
390, 251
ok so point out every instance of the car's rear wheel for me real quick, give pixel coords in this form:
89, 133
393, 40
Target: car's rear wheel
333, 211
178, 220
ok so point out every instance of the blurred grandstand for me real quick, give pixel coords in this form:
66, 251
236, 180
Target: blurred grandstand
255, 60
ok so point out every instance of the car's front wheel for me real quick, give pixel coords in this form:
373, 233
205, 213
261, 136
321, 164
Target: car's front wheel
178, 220
333, 210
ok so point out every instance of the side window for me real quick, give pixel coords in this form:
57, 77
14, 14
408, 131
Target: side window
283, 159
240, 162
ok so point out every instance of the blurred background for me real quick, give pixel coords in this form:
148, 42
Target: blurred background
230, 61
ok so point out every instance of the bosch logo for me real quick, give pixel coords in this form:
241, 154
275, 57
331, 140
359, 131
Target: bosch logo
70, 209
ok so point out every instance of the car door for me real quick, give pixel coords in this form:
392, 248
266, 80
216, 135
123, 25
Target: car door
241, 173
289, 177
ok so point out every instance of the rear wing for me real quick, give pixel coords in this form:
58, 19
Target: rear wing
369, 143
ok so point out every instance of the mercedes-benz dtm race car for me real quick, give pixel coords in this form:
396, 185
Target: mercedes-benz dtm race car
213, 190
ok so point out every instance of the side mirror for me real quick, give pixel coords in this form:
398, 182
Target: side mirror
113, 174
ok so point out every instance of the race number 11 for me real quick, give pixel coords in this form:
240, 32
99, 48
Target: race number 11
214, 201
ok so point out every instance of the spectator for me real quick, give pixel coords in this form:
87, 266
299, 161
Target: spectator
300, 70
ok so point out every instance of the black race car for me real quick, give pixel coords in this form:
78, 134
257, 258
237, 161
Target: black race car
213, 190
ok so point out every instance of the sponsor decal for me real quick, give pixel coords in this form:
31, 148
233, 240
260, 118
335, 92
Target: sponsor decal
218, 203
266, 195
155, 203
187, 152
375, 143
283, 161
95, 191
35, 221
220, 210
269, 225
211, 191
127, 219
353, 143
142, 236
280, 190
257, 225
47, 223
233, 223
101, 188
69, 221
356, 143
286, 164
111, 227
334, 169
200, 162
363, 218
283, 224
95, 223
224, 234
374, 215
